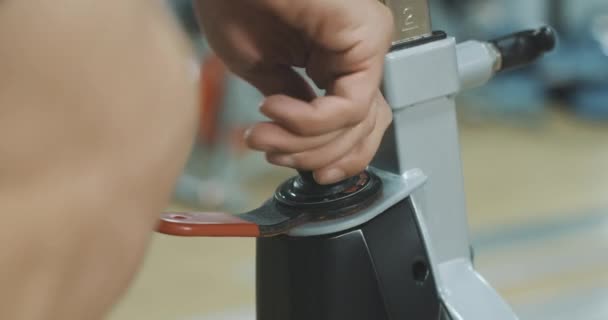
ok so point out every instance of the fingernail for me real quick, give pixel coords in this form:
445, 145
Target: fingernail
330, 176
247, 133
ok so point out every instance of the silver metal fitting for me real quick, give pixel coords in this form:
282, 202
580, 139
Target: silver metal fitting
412, 19
495, 53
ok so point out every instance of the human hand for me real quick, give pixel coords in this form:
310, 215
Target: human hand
341, 44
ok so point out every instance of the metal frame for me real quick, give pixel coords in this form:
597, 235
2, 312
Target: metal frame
420, 84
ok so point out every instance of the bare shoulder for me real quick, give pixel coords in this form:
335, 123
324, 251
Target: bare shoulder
97, 115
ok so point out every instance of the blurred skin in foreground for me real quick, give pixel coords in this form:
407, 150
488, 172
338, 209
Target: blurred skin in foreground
98, 104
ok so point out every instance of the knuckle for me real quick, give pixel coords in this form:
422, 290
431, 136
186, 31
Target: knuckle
270, 157
354, 166
301, 128
300, 160
358, 114
310, 125
260, 141
253, 138
359, 161
368, 125
311, 160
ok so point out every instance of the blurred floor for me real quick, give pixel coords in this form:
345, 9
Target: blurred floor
538, 210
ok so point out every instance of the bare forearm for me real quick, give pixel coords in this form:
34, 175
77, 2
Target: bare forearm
97, 104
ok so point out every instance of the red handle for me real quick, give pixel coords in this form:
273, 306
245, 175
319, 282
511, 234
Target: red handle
206, 224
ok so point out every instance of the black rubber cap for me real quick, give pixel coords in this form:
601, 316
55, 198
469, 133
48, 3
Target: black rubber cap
304, 193
306, 185
522, 48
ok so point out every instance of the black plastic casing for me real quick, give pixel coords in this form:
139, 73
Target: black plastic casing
377, 271
522, 48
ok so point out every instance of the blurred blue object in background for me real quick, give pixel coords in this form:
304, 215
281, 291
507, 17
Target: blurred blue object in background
574, 76
517, 96
591, 102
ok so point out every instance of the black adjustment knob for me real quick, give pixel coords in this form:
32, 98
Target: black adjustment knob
304, 193
306, 184
307, 176
525, 47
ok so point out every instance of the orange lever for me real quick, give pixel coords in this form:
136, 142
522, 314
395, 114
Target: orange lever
276, 216
206, 224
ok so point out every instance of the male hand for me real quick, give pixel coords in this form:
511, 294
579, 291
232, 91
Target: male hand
341, 44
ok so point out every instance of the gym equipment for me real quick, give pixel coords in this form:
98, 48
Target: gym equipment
391, 242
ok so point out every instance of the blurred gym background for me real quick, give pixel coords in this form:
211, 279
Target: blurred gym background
535, 152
